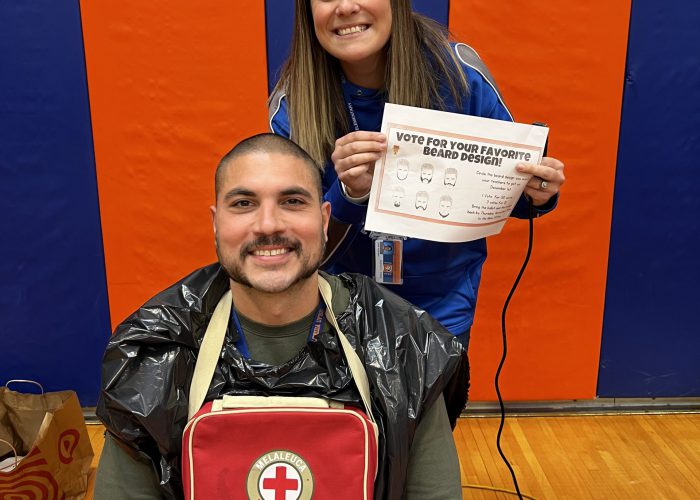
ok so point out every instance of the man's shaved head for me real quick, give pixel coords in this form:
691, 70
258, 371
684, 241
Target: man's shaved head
268, 143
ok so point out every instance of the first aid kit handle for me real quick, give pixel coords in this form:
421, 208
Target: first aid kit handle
209, 353
356, 367
213, 340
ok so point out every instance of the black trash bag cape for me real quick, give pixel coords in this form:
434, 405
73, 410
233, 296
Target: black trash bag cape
149, 362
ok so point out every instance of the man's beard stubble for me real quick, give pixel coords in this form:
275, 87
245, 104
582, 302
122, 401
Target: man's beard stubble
236, 273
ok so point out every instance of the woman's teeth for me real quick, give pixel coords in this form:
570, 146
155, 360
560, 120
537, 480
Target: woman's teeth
352, 29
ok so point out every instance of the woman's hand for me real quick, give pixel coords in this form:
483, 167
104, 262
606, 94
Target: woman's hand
354, 157
547, 178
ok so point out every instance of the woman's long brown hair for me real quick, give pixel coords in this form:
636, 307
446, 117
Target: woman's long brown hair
418, 58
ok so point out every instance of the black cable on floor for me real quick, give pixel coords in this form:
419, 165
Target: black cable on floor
505, 350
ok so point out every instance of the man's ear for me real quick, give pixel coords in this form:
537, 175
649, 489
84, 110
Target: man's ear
212, 211
326, 216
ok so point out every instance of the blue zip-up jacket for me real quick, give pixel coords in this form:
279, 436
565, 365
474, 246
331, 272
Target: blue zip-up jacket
441, 278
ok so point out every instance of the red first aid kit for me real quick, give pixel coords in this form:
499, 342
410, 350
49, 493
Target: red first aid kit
279, 453
276, 448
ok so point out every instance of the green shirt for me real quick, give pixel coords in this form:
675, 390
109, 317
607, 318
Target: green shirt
275, 345
433, 469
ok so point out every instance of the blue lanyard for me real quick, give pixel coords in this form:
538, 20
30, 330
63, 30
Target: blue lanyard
242, 345
349, 105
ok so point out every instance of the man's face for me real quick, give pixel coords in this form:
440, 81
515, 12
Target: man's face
450, 178
426, 174
445, 206
269, 223
422, 200
402, 170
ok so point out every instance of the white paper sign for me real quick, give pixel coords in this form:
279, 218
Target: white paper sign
449, 177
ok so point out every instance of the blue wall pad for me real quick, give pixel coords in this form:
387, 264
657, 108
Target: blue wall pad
279, 15
651, 332
53, 294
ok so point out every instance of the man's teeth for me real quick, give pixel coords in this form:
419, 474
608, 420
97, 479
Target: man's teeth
352, 29
269, 253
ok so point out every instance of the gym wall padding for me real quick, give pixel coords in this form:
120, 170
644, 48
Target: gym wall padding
563, 64
53, 296
651, 335
172, 89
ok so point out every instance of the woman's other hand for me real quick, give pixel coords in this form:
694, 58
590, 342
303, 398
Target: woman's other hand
547, 178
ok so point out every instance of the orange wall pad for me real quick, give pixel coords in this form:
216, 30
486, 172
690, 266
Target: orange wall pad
173, 86
561, 63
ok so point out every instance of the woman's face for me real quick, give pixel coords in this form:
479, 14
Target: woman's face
352, 31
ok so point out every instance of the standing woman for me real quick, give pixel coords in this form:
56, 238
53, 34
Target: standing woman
348, 58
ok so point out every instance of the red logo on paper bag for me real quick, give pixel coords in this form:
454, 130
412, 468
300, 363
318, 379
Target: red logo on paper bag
67, 442
31, 480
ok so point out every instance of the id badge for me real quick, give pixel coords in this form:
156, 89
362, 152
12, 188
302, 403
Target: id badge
388, 261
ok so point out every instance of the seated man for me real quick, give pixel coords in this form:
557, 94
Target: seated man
270, 230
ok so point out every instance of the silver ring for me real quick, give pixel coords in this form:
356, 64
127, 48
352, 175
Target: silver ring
543, 185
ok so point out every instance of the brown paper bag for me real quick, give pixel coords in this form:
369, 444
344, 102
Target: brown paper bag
49, 431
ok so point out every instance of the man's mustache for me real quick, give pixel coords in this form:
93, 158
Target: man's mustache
265, 241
